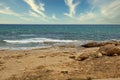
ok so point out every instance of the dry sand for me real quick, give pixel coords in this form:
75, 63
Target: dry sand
56, 63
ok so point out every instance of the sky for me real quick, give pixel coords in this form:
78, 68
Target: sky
59, 11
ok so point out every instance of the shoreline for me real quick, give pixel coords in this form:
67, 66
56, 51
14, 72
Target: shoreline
73, 43
62, 62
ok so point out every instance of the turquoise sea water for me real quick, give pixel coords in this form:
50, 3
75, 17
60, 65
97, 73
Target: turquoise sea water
34, 36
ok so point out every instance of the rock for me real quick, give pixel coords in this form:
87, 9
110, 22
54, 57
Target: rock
82, 57
72, 57
89, 78
91, 44
97, 55
64, 72
109, 50
114, 42
99, 44
43, 56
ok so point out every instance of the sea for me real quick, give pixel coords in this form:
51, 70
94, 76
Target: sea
31, 36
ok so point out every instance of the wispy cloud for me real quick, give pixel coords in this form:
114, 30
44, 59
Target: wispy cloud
6, 10
35, 11
106, 12
38, 9
72, 6
111, 10
31, 13
87, 16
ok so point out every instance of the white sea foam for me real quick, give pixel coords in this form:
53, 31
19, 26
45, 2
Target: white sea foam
38, 40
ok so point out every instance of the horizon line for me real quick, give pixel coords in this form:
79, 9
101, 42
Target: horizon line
59, 24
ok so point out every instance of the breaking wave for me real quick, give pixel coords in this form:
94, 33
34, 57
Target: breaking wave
38, 40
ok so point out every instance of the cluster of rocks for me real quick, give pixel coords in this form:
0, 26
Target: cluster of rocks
105, 49
99, 44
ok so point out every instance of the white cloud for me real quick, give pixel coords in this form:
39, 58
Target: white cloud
110, 13
36, 8
111, 10
41, 7
87, 16
102, 11
38, 12
33, 14
7, 10
54, 17
72, 6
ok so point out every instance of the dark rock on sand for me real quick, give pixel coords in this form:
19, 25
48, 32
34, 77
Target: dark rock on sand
85, 56
109, 50
72, 57
92, 44
106, 50
99, 44
64, 72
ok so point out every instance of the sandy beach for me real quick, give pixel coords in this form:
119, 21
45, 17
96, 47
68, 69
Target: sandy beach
58, 63
59, 39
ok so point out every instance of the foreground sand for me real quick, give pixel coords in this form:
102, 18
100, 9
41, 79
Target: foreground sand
56, 63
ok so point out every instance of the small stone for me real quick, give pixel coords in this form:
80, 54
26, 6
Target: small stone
42, 56
98, 55
115, 54
64, 72
72, 57
83, 57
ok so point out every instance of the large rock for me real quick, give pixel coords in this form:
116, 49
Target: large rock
109, 50
99, 44
91, 44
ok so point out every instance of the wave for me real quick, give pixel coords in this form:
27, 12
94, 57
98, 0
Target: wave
39, 40
33, 43
49, 40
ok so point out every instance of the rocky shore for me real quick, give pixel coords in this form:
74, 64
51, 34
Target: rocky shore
94, 60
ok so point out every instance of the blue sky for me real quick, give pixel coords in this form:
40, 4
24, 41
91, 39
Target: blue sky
59, 11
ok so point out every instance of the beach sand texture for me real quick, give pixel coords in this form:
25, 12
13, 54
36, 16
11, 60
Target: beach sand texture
58, 63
